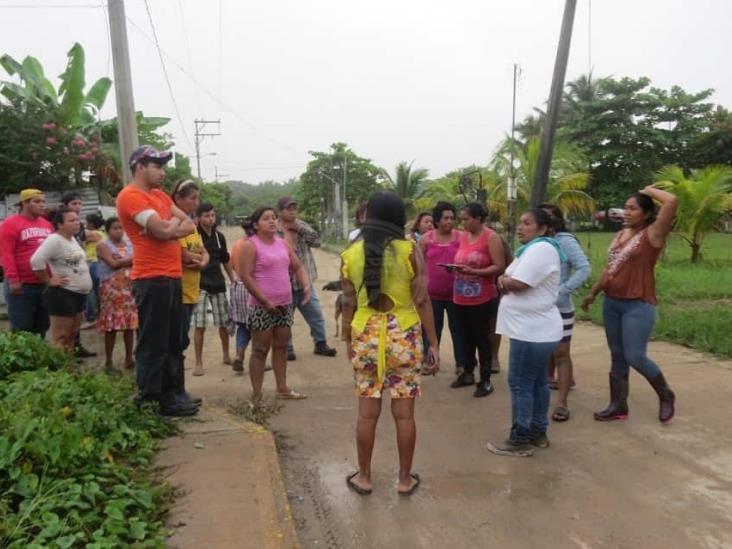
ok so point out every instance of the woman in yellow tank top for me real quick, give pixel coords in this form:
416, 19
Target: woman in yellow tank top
385, 308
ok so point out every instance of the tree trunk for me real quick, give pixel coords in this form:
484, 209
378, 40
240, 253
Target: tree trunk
696, 255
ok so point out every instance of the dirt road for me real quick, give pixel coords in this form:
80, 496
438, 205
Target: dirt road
624, 484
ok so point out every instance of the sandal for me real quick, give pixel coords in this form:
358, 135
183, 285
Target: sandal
198, 371
414, 487
355, 487
292, 395
553, 384
561, 413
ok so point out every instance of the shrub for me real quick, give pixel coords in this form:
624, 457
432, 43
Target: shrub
22, 351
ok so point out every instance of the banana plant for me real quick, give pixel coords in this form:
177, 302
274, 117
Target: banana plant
75, 108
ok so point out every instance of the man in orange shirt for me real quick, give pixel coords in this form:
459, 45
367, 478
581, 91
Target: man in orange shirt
154, 224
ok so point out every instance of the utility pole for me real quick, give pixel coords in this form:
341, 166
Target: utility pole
126, 119
199, 135
555, 98
344, 207
217, 174
511, 187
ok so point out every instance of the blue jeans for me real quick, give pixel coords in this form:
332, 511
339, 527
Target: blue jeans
529, 388
26, 311
628, 327
313, 315
92, 299
243, 336
439, 308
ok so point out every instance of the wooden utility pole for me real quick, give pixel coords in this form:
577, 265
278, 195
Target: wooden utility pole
541, 179
126, 119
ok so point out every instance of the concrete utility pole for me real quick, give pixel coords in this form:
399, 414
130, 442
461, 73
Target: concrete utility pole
541, 178
344, 208
126, 119
511, 187
199, 135
218, 175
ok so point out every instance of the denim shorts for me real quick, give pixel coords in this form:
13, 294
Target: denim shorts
62, 302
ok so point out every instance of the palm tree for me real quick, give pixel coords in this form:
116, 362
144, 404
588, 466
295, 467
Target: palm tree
705, 198
408, 183
567, 178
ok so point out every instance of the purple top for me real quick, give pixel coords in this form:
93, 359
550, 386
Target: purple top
440, 281
272, 271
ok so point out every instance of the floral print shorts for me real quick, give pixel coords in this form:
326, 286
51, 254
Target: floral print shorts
403, 359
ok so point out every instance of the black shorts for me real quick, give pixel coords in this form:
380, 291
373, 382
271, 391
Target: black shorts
63, 302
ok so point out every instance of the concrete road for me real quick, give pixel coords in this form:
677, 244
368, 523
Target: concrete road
623, 484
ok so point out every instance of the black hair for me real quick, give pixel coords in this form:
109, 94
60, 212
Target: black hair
541, 216
247, 225
109, 222
360, 212
183, 188
96, 220
257, 215
555, 212
646, 204
385, 221
203, 208
438, 210
59, 216
70, 197
145, 162
420, 216
476, 210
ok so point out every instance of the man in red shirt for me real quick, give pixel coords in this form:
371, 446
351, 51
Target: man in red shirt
154, 225
20, 236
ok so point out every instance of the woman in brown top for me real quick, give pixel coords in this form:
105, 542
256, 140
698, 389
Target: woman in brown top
629, 310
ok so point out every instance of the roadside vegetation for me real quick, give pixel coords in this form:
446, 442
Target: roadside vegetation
75, 455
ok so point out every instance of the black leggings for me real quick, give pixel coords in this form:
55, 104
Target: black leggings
474, 323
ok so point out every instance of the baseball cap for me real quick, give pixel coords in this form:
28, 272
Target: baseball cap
146, 151
285, 202
29, 194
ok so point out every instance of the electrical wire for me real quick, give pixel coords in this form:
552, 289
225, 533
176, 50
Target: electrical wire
167, 79
208, 92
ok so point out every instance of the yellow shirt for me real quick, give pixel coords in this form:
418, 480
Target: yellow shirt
191, 279
91, 247
397, 275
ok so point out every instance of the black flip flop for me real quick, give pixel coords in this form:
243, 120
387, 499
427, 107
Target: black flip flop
560, 414
414, 487
355, 487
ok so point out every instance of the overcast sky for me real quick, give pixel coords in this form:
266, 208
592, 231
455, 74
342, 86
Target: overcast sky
427, 80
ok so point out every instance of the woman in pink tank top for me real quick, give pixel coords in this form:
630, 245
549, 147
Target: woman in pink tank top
480, 258
439, 248
265, 263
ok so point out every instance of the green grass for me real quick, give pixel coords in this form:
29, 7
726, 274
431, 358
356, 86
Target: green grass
695, 300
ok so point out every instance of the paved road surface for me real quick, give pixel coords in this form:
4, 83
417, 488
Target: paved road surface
625, 484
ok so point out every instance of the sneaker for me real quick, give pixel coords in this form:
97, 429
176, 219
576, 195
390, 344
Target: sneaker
511, 448
321, 348
466, 379
291, 356
540, 440
483, 389
82, 352
187, 398
178, 410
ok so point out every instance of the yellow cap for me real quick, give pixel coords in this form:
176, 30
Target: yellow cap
29, 194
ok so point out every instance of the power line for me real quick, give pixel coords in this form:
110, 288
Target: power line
52, 6
208, 92
109, 39
165, 73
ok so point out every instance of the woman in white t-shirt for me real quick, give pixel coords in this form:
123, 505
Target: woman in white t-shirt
69, 281
528, 315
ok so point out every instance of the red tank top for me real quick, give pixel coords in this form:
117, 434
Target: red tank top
473, 289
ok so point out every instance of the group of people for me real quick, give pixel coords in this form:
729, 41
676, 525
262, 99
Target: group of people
161, 268
399, 287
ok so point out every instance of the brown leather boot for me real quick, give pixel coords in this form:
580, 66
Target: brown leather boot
618, 407
666, 398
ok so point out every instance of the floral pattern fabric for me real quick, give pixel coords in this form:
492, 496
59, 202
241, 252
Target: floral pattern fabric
403, 359
117, 310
